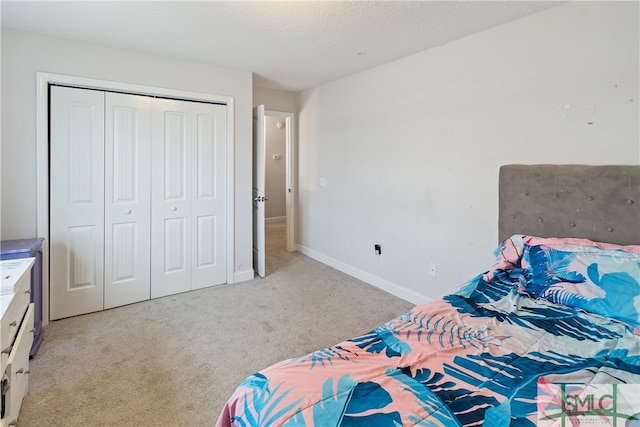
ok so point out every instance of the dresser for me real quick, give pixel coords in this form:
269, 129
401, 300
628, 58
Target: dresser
29, 248
16, 335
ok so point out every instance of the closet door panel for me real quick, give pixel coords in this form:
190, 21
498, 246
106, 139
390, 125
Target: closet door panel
76, 198
127, 199
175, 243
171, 194
176, 148
209, 196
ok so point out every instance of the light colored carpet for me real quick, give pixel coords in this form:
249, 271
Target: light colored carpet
174, 361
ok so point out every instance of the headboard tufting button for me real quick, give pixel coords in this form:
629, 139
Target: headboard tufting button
556, 196
540, 220
526, 193
572, 224
609, 229
629, 201
590, 198
513, 216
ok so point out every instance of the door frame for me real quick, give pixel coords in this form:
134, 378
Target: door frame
43, 80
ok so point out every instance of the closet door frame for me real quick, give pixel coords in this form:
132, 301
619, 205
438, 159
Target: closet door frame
43, 81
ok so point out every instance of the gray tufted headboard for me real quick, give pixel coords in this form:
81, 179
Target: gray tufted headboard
600, 203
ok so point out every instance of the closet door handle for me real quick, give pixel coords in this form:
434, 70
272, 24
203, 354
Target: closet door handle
127, 212
174, 208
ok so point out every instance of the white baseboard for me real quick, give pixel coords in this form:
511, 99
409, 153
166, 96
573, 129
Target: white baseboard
243, 276
393, 288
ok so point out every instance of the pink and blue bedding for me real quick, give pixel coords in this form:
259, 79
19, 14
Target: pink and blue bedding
548, 311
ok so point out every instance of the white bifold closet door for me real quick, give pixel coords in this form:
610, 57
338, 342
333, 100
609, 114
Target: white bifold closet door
127, 199
76, 202
137, 198
188, 196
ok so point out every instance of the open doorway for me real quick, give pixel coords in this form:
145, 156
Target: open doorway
276, 169
273, 190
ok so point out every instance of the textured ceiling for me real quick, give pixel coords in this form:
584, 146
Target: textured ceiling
288, 45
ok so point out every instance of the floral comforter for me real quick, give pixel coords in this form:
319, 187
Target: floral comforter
548, 312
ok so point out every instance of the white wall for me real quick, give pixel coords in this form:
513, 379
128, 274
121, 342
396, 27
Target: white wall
24, 54
410, 150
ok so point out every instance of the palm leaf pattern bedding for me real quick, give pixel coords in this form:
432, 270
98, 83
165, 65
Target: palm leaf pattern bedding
474, 356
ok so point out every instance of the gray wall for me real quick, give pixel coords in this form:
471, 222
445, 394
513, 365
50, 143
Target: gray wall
275, 169
275, 100
410, 150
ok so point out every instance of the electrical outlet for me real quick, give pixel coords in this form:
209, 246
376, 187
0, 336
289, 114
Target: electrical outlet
432, 269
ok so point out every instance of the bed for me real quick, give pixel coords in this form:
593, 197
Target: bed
549, 334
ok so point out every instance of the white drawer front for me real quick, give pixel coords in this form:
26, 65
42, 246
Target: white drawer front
18, 367
13, 316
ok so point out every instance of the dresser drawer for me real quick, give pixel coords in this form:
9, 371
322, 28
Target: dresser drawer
13, 316
18, 368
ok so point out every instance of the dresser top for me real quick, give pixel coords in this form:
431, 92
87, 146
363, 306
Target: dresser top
11, 271
20, 245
